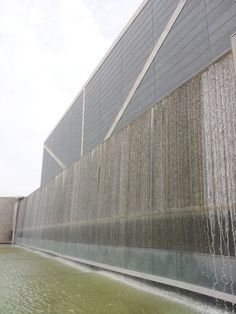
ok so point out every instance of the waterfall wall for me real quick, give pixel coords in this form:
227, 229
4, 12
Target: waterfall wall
158, 197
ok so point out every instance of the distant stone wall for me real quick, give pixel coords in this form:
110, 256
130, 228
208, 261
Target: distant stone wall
158, 197
7, 205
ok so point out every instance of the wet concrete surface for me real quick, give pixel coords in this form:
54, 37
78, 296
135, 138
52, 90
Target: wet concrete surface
34, 283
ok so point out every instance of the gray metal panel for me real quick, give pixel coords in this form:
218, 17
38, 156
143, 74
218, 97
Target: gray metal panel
221, 24
137, 44
187, 41
200, 34
185, 51
162, 11
92, 113
65, 141
143, 99
112, 82
145, 96
50, 168
76, 130
111, 85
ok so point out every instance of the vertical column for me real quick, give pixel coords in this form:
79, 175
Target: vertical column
82, 132
14, 220
233, 44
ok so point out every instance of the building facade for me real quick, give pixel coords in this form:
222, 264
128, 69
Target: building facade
154, 195
165, 44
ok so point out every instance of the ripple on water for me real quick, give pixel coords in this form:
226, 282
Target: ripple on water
32, 283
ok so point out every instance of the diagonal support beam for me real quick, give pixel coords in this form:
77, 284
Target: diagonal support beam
147, 65
57, 160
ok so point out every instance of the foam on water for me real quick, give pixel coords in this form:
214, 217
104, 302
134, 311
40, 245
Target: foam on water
171, 296
67, 262
80, 267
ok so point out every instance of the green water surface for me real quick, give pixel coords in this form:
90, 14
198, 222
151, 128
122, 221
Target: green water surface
32, 283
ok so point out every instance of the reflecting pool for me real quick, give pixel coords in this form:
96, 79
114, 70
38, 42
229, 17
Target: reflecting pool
37, 283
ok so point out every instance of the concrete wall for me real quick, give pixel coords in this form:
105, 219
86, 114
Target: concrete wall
7, 207
158, 197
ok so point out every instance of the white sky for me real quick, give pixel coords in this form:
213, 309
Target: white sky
48, 49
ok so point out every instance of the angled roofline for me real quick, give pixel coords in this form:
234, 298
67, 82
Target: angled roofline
134, 16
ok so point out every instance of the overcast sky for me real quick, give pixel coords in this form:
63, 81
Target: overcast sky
48, 49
